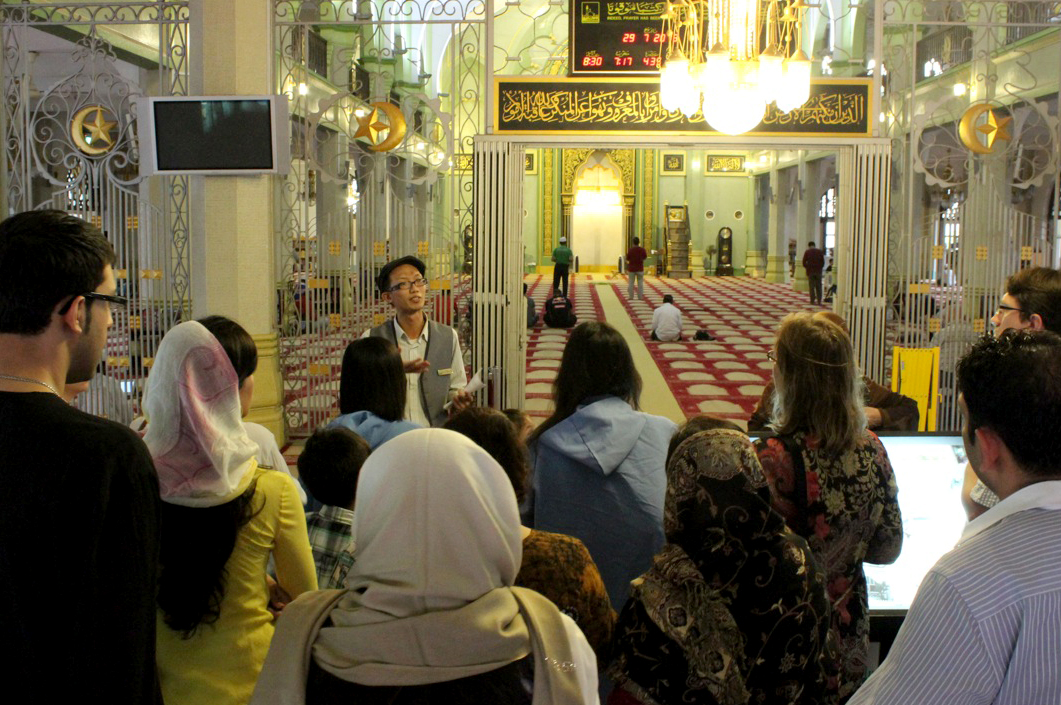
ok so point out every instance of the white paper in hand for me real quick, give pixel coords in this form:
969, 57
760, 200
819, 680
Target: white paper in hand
474, 385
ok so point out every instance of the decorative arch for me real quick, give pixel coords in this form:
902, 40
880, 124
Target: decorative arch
574, 161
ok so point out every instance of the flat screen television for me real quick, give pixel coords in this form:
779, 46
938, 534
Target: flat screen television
221, 135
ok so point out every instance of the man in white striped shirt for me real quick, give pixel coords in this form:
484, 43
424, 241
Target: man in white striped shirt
985, 626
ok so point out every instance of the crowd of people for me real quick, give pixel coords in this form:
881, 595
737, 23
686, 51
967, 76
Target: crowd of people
435, 551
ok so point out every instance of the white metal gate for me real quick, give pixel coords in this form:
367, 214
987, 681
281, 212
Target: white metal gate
69, 134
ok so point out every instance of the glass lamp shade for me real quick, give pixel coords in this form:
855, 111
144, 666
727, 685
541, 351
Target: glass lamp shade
734, 118
690, 101
674, 82
718, 74
771, 75
735, 108
795, 88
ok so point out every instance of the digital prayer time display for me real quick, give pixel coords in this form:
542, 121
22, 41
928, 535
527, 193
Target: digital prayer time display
616, 37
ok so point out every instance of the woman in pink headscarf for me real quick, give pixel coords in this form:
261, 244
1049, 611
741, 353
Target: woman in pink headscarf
222, 517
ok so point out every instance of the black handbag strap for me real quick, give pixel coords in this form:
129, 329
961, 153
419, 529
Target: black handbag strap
799, 477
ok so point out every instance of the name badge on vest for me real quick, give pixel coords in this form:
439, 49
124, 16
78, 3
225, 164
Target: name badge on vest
446, 372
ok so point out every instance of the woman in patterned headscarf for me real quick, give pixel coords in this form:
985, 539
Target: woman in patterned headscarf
734, 608
222, 516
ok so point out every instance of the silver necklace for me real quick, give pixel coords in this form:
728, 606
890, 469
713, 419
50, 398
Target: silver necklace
16, 378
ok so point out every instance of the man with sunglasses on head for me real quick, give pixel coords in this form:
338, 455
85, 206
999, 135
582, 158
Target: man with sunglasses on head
1032, 301
434, 365
79, 498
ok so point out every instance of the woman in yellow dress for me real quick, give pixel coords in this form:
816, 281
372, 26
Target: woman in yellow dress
222, 517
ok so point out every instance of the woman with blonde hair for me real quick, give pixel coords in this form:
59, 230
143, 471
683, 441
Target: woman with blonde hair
829, 476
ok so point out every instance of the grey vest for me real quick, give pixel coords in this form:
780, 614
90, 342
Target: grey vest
434, 386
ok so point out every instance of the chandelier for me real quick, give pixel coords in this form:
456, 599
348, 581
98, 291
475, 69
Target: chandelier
732, 58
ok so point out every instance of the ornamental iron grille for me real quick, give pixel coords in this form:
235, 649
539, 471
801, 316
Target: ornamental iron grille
975, 141
385, 98
68, 121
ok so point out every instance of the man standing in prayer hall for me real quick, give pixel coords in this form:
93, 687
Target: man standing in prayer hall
635, 270
79, 497
562, 258
984, 626
813, 263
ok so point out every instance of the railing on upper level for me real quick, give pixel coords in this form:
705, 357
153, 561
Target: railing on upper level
317, 56
1027, 15
953, 45
311, 47
944, 49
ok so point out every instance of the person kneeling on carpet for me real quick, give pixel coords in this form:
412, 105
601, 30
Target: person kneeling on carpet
559, 312
667, 321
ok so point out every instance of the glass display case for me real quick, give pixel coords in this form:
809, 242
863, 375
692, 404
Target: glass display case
929, 470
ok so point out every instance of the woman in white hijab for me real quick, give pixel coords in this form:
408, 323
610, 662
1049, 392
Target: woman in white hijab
430, 613
222, 516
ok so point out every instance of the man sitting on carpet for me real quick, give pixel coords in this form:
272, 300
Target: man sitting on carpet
559, 312
885, 410
667, 321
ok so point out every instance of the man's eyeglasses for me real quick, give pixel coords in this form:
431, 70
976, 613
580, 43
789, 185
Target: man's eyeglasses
114, 301
771, 356
1003, 307
415, 283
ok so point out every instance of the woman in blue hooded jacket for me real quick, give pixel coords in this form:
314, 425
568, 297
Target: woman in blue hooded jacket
372, 391
599, 471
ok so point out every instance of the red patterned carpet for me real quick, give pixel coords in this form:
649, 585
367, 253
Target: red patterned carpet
545, 346
724, 377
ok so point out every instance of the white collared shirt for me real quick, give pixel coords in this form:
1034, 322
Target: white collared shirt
984, 625
667, 322
1040, 495
415, 350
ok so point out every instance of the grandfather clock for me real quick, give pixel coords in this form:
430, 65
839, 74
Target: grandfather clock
725, 253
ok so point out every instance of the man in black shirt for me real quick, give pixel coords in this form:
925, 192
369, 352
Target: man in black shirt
559, 313
79, 499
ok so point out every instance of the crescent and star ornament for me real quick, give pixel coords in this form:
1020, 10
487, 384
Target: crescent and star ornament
993, 129
372, 126
93, 137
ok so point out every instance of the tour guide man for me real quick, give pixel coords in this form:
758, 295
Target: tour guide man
430, 352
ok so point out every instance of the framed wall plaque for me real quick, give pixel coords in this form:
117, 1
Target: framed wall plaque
672, 163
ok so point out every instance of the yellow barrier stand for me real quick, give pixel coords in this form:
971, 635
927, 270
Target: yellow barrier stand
915, 374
